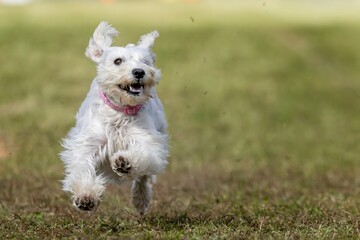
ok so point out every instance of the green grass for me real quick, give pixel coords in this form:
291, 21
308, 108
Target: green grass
263, 110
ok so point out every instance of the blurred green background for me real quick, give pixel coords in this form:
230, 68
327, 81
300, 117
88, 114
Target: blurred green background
262, 99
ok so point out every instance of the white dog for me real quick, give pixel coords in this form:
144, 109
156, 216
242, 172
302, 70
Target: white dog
121, 130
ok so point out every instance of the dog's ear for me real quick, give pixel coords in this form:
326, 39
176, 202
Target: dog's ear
101, 39
148, 40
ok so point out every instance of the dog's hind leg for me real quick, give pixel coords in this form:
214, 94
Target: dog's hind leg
142, 193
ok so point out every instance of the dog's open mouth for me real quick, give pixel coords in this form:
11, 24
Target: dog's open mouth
133, 89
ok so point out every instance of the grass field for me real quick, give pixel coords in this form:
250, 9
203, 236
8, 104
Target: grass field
263, 106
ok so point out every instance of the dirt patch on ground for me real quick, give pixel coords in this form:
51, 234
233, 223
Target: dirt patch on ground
3, 150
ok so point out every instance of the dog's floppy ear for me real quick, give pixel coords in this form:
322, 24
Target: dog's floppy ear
101, 39
148, 40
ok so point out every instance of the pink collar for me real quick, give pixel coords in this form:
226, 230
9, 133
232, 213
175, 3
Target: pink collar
128, 110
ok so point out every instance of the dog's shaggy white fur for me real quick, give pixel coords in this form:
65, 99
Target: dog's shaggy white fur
111, 145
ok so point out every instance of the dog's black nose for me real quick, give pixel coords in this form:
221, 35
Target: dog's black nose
138, 73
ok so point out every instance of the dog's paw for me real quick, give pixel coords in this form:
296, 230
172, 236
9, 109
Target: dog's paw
85, 203
121, 166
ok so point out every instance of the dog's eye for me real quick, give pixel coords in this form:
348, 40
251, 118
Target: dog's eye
118, 61
147, 62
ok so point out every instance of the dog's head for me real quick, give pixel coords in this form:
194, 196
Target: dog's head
126, 74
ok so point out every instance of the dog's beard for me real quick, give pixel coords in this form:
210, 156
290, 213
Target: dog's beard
124, 90
125, 97
127, 91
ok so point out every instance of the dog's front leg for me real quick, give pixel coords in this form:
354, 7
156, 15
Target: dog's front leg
142, 193
81, 178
